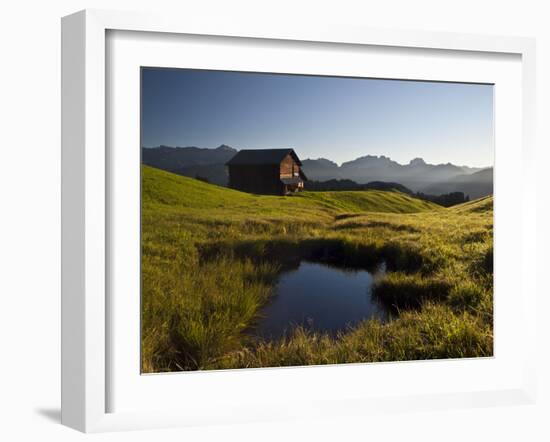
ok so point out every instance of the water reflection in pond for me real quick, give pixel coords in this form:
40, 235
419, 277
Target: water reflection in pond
322, 298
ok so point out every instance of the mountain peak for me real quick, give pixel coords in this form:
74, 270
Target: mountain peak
417, 162
224, 147
321, 161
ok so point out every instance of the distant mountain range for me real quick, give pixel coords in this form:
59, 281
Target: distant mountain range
476, 185
191, 161
417, 175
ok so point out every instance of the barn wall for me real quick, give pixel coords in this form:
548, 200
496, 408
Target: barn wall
288, 167
256, 179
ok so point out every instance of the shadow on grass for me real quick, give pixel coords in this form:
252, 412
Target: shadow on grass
334, 251
400, 291
375, 224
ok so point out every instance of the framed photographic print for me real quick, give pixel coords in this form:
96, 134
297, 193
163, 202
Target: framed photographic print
275, 222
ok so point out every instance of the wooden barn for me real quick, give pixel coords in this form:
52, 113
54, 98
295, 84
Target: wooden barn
266, 171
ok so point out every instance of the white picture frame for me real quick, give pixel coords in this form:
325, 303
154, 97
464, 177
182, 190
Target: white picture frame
86, 205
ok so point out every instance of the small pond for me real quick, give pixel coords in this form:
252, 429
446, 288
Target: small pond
320, 297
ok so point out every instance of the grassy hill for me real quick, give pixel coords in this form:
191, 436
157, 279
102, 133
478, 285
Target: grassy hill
481, 205
210, 257
160, 187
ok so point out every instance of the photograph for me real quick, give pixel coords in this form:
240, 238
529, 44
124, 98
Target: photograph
293, 220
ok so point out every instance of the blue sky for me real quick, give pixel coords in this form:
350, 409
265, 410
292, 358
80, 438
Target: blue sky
331, 117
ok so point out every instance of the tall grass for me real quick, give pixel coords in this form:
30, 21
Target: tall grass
198, 312
435, 332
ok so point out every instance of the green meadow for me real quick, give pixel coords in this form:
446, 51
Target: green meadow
211, 256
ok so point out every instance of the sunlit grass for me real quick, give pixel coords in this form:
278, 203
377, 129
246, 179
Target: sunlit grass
211, 255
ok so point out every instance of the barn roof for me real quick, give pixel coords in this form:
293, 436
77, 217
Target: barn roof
256, 157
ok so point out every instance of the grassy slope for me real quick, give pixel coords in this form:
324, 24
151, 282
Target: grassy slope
369, 201
197, 311
174, 190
